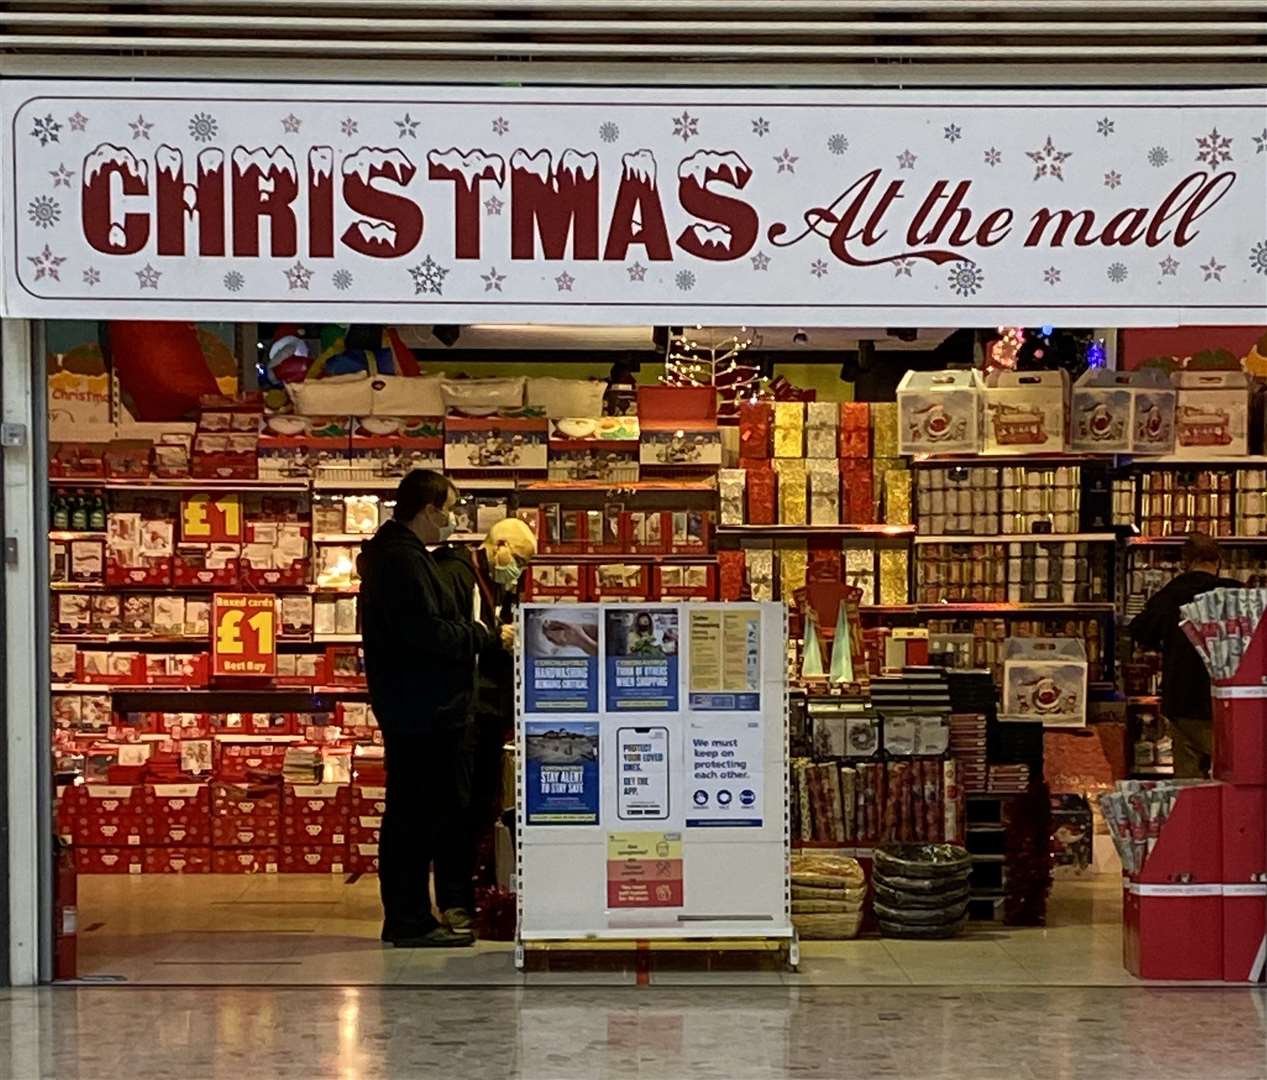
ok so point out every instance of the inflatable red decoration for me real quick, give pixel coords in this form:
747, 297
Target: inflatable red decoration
160, 367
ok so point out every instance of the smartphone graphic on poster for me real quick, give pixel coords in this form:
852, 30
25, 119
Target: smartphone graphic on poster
642, 755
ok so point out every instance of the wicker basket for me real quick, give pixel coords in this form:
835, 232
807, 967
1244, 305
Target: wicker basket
850, 893
827, 907
827, 927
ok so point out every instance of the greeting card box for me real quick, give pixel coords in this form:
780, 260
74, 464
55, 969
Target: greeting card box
939, 412
1026, 412
264, 860
314, 858
1045, 679
495, 442
678, 426
178, 860
177, 815
1212, 415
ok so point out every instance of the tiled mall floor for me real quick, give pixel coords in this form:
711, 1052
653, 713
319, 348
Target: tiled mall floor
302, 930
665, 1033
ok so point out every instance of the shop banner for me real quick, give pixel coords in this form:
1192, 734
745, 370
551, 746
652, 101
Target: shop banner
725, 758
561, 659
561, 773
623, 206
641, 650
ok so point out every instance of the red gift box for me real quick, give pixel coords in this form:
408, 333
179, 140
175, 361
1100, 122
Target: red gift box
178, 860
755, 422
265, 860
731, 571
854, 432
857, 498
177, 815
763, 496
1244, 812
315, 814
245, 815
363, 858
314, 859
103, 815
110, 860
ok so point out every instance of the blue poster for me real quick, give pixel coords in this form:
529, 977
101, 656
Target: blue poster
561, 777
561, 659
641, 648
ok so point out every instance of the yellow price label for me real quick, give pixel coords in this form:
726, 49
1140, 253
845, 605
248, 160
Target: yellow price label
211, 518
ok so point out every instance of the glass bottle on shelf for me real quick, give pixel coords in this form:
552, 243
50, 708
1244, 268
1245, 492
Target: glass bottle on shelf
60, 511
79, 512
97, 512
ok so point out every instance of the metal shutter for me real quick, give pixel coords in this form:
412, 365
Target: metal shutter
992, 42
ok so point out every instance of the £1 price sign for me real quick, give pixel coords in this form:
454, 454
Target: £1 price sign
244, 635
211, 518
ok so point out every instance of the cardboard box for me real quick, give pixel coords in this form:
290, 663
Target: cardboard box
178, 860
1244, 834
939, 412
1212, 414
314, 859
363, 858
245, 816
495, 442
1045, 679
1122, 412
177, 815
678, 426
1026, 412
245, 860
103, 815
110, 860
315, 815
365, 829
369, 799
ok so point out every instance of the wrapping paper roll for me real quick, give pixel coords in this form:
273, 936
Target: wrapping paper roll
793, 562
793, 491
789, 429
763, 488
824, 492
731, 486
857, 493
893, 576
855, 429
884, 439
731, 568
755, 424
820, 429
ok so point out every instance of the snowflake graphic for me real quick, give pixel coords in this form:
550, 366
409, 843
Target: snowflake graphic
818, 268
78, 121
1116, 273
906, 160
686, 125
428, 276
1048, 161
234, 281
761, 261
1214, 148
1112, 179
1051, 276
47, 264
565, 281
61, 176
837, 144
993, 156
45, 129
637, 272
493, 206
341, 280
92, 276
203, 127
44, 211
1104, 127
786, 161
1260, 141
760, 126
966, 278
291, 123
140, 128
685, 280
492, 280
903, 267
408, 127
953, 133
1158, 156
501, 125
147, 278
1168, 266
1213, 270
349, 126
1258, 257
298, 276
608, 132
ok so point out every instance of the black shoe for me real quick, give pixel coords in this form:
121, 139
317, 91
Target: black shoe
440, 937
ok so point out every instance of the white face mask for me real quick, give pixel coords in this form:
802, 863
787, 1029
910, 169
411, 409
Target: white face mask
446, 530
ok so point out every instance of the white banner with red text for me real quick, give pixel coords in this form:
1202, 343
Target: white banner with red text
620, 206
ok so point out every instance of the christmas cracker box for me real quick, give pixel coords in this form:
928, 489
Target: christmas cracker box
939, 412
1045, 679
1212, 413
1026, 412
1122, 412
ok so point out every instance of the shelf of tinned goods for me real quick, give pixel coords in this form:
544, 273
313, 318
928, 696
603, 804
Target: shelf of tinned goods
860, 531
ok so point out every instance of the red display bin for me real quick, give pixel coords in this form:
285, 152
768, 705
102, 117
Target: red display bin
177, 815
1172, 910
245, 816
1244, 813
110, 860
245, 860
315, 815
178, 860
314, 859
363, 858
103, 815
1240, 734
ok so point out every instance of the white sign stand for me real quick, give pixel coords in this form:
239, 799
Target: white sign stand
652, 773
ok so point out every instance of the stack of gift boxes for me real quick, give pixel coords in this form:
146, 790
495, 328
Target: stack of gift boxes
814, 464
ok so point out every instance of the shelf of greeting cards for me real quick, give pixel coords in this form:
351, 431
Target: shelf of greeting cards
184, 483
348, 690
1019, 609
196, 641
202, 590
1177, 541
1021, 538
676, 559
616, 487
1020, 458
880, 532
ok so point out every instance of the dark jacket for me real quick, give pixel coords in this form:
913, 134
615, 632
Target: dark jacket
420, 644
466, 572
1185, 684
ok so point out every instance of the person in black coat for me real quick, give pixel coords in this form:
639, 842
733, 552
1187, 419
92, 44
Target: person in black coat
1185, 683
420, 649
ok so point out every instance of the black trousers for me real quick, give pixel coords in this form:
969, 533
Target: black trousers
427, 821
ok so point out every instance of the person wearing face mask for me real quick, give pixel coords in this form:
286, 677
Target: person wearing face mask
421, 647
488, 580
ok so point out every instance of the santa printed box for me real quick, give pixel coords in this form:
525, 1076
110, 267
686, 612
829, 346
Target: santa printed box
1122, 412
104, 815
177, 815
245, 815
315, 814
110, 860
264, 860
1045, 679
314, 859
178, 860
939, 412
